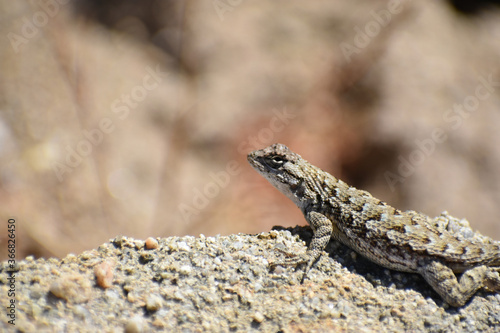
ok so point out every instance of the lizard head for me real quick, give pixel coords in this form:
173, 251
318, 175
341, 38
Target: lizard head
285, 170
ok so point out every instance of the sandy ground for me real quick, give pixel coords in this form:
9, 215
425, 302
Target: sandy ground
223, 284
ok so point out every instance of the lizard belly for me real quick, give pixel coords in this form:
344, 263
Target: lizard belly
386, 255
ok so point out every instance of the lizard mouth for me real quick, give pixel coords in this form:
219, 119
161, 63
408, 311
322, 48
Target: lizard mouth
254, 162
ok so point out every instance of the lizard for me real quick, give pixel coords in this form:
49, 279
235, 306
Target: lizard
405, 241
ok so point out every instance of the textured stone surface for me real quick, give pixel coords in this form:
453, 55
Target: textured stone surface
224, 284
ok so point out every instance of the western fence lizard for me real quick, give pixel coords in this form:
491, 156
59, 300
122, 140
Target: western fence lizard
405, 241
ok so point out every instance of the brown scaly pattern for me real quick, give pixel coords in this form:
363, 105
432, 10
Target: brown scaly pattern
405, 241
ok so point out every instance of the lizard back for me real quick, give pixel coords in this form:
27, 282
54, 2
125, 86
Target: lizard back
388, 236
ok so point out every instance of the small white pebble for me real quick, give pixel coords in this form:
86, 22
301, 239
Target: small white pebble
258, 317
185, 269
139, 244
135, 325
153, 303
183, 246
279, 269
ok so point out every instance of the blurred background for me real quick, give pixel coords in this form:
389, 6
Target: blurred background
135, 117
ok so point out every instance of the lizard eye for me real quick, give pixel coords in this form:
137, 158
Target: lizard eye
275, 162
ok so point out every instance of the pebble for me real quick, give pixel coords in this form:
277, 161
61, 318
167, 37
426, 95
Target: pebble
104, 274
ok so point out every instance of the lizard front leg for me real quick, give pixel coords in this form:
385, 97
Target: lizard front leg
322, 232
456, 292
